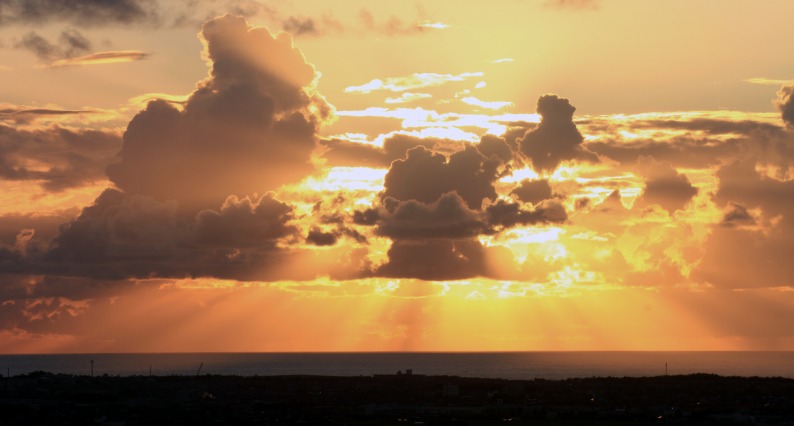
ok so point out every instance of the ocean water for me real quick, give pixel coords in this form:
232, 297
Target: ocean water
508, 365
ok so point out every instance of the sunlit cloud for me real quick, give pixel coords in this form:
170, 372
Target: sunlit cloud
419, 117
503, 60
769, 81
471, 100
413, 81
433, 25
407, 97
101, 58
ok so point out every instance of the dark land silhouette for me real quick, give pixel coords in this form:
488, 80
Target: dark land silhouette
400, 399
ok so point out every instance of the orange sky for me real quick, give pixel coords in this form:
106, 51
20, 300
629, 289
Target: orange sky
432, 176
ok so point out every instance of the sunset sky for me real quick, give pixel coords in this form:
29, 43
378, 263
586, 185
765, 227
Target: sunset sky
437, 175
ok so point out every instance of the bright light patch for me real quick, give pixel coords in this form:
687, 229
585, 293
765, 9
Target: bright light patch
348, 178
413, 81
407, 97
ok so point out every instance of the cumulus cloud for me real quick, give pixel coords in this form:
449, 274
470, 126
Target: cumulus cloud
556, 139
425, 176
56, 158
244, 222
248, 128
447, 217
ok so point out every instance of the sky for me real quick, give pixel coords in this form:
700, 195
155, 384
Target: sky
285, 175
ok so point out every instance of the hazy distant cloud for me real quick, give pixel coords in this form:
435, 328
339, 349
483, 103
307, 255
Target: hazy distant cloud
101, 58
394, 26
748, 196
573, 4
58, 158
785, 102
414, 81
664, 185
24, 115
70, 44
556, 139
77, 12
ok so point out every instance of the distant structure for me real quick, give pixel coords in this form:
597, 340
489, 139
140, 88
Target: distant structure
92, 368
665, 368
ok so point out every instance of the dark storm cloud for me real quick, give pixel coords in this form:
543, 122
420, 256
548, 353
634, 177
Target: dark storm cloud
533, 191
70, 44
447, 217
425, 176
737, 215
785, 102
77, 12
250, 127
435, 260
664, 185
556, 139
505, 215
244, 223
318, 237
132, 236
55, 157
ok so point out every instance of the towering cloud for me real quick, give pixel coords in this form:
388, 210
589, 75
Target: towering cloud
186, 177
785, 102
556, 139
249, 127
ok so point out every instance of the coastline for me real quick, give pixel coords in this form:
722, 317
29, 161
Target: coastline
403, 398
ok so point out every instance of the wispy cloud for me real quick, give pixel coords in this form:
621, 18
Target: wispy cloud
433, 25
573, 4
110, 57
406, 97
471, 100
769, 81
413, 81
503, 60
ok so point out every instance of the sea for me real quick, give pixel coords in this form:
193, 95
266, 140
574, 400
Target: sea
506, 365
